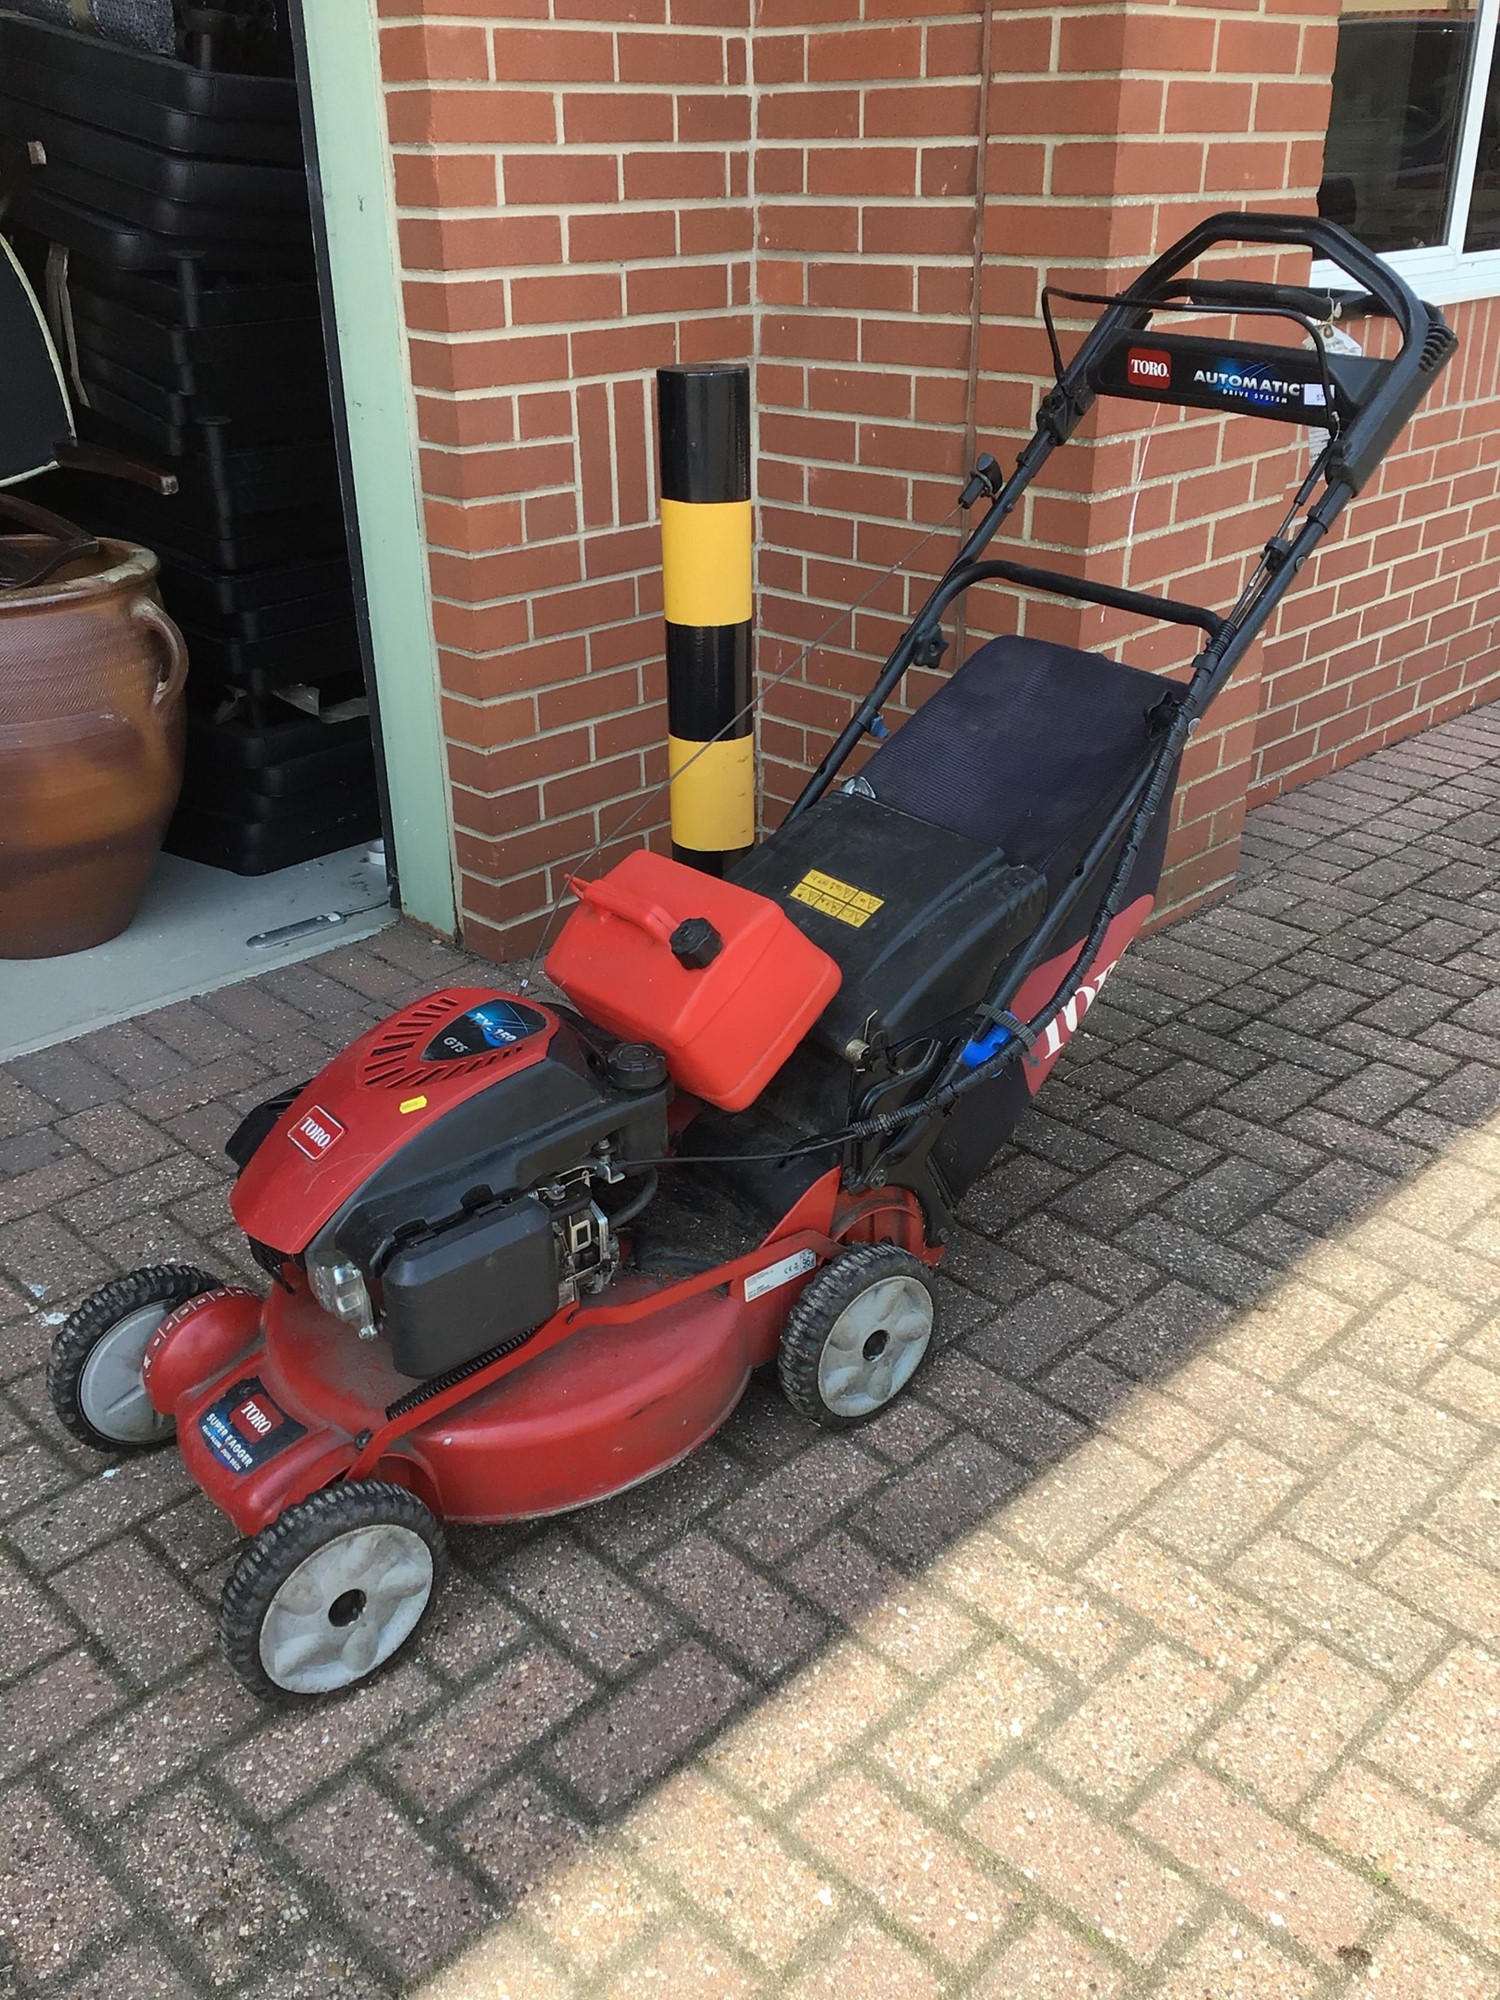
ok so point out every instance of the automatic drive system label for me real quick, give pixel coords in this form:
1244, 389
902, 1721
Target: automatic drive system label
246, 1426
1285, 382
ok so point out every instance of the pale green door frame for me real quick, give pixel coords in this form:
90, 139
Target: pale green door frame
349, 160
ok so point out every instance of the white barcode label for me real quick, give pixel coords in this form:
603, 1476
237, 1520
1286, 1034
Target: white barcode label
760, 1282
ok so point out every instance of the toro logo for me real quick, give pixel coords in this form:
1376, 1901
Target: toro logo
315, 1131
245, 1427
251, 1421
1148, 368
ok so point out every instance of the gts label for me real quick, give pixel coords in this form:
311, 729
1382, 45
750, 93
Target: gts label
836, 899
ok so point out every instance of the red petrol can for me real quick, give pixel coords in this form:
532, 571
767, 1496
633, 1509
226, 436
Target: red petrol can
726, 1016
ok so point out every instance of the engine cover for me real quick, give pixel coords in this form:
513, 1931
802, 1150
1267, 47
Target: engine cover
415, 1153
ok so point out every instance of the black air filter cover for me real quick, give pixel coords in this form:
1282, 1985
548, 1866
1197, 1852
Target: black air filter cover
496, 1272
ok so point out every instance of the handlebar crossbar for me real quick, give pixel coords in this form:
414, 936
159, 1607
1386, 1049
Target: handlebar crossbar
1144, 603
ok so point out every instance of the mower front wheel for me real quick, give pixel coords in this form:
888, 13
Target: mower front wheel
857, 1335
94, 1370
331, 1590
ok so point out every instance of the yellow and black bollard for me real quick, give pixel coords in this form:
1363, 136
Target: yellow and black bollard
706, 534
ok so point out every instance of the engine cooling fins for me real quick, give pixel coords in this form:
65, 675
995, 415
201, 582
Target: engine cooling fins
438, 1036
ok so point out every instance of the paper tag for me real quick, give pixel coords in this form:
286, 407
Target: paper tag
1335, 341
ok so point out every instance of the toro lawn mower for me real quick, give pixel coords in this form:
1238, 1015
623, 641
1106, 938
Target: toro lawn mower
525, 1254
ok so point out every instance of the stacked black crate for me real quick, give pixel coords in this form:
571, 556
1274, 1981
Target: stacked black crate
166, 214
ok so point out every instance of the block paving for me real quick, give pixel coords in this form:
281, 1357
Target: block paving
1151, 1645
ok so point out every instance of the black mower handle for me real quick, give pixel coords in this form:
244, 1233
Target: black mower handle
1351, 455
1427, 341
1292, 232
1145, 603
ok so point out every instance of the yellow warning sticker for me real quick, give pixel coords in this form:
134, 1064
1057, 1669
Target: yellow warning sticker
836, 899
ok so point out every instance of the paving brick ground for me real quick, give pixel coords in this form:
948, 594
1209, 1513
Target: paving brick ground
1152, 1646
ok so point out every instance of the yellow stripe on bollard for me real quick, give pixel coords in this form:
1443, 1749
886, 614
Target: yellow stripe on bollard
713, 793
705, 561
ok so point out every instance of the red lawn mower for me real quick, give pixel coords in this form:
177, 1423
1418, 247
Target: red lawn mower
526, 1254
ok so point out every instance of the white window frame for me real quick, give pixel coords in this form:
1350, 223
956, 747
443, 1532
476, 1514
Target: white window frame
1445, 273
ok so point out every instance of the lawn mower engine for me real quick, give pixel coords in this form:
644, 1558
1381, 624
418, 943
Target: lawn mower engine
452, 1179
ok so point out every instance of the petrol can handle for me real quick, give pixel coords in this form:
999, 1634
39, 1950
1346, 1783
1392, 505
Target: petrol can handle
617, 902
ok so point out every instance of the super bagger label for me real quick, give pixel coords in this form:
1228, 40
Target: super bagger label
246, 1426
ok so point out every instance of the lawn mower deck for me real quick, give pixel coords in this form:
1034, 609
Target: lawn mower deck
272, 1401
525, 1252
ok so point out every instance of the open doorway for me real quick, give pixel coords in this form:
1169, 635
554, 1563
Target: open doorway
158, 204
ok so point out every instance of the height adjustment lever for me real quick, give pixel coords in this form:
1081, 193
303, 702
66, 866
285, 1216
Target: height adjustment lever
985, 481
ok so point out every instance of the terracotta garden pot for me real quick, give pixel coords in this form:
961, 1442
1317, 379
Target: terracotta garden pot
91, 743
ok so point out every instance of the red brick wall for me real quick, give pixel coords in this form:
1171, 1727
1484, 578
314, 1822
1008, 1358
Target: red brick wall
593, 187
1400, 626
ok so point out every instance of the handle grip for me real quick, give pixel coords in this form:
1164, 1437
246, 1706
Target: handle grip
1294, 232
146, 611
1304, 299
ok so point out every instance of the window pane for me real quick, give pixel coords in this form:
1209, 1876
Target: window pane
1398, 99
1483, 232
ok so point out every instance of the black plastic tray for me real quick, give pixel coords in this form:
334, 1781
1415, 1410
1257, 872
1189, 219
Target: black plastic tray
271, 621
135, 242
276, 585
207, 533
261, 847
96, 70
316, 654
245, 189
145, 117
255, 750
211, 441
206, 300
237, 480
278, 792
234, 364
291, 407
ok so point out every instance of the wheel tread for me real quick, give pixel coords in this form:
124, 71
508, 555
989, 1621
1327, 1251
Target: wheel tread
822, 1300
169, 1285
303, 1528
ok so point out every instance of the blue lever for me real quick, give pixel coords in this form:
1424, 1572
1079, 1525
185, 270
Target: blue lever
990, 1043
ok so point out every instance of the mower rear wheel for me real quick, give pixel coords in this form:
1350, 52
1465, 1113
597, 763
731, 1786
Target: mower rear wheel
94, 1370
857, 1335
331, 1590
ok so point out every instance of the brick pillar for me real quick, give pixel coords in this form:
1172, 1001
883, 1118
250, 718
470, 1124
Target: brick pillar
865, 170
574, 214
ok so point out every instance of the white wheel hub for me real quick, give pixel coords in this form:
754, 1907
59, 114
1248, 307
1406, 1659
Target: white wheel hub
874, 1346
111, 1391
346, 1608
